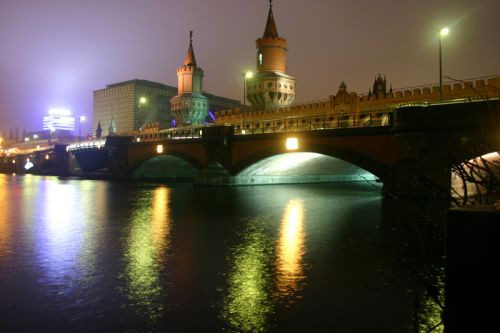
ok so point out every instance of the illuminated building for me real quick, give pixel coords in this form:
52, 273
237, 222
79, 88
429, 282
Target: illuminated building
189, 106
271, 87
127, 106
59, 119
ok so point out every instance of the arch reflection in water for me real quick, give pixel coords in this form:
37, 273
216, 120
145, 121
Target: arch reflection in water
247, 306
291, 249
146, 246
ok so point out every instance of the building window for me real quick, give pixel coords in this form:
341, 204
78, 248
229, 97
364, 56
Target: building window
260, 58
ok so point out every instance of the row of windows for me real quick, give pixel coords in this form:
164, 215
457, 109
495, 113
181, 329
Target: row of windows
196, 104
270, 84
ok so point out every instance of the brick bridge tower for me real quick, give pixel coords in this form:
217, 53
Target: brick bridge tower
189, 106
271, 87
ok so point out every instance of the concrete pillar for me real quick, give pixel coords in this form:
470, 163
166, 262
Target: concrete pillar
61, 159
472, 289
423, 166
216, 142
118, 153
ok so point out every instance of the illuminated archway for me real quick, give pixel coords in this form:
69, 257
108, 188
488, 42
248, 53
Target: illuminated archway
165, 167
301, 167
477, 180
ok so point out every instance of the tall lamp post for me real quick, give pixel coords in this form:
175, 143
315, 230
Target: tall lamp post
442, 33
247, 75
82, 120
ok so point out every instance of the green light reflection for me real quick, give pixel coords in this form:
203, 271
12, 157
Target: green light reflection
247, 305
147, 243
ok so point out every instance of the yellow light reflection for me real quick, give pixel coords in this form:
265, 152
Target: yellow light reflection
247, 304
291, 249
5, 235
147, 243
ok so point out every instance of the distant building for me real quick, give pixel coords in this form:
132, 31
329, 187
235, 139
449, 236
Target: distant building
127, 106
380, 87
271, 87
59, 119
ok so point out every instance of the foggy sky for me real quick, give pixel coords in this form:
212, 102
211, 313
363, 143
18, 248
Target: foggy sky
54, 53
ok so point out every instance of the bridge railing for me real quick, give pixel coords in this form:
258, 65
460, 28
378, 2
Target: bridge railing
89, 144
312, 123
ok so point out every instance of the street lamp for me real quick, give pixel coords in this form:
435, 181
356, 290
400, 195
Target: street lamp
246, 76
442, 33
82, 120
52, 130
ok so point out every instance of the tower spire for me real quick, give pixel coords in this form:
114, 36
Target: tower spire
271, 30
190, 60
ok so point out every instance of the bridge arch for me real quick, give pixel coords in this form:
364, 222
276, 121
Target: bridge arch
355, 158
164, 166
477, 179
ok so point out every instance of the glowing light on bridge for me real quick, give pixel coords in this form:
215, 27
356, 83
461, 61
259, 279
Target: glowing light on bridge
159, 149
28, 165
292, 144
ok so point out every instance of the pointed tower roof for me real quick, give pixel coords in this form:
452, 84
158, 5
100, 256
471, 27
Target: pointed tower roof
190, 60
271, 30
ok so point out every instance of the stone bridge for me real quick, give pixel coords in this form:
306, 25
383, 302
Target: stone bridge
411, 154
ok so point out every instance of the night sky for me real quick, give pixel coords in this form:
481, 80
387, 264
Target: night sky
54, 53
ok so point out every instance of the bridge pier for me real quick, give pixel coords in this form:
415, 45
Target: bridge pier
218, 155
118, 155
428, 142
62, 160
423, 167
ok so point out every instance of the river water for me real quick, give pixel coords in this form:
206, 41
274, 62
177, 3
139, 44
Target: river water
87, 255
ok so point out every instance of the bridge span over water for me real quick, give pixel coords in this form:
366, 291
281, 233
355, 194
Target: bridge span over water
411, 151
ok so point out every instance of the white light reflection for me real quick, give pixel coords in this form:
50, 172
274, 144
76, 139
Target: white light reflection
59, 236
